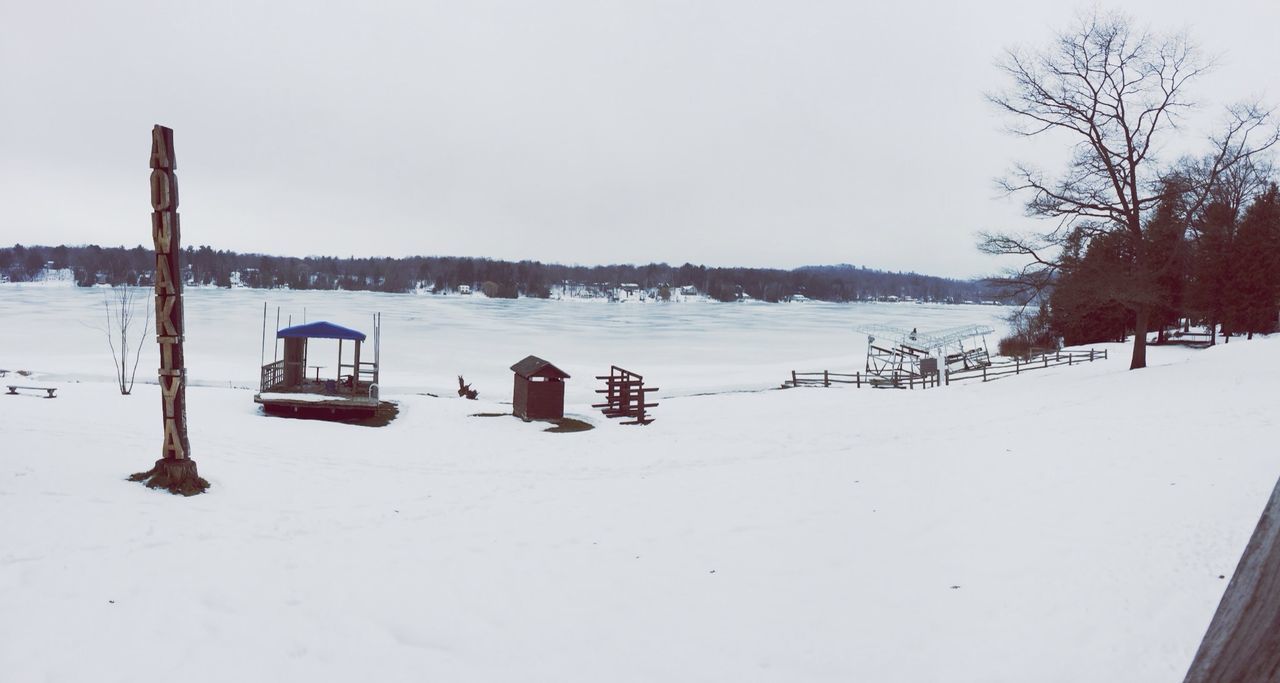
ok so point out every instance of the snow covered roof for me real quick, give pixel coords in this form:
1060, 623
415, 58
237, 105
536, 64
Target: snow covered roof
320, 330
533, 366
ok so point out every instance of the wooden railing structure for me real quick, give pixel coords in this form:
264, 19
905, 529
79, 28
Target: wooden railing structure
858, 379
625, 396
1017, 366
823, 379
986, 373
366, 373
272, 375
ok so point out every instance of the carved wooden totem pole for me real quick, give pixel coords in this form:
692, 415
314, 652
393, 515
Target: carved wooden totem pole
175, 470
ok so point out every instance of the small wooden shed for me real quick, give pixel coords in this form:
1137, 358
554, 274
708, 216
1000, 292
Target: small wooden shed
539, 390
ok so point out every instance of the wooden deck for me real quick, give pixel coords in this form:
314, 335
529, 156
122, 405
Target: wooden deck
316, 405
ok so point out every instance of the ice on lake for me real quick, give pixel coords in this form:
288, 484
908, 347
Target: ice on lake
427, 340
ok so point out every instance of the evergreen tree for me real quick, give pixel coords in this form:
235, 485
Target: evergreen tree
1254, 274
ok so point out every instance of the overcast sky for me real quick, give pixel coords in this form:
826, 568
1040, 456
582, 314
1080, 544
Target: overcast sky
725, 132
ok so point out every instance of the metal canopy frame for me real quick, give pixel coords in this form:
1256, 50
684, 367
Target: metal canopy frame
895, 355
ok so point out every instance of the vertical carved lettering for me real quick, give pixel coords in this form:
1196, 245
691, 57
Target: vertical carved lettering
175, 470
164, 277
163, 225
172, 447
164, 190
162, 148
169, 387
170, 356
165, 324
166, 234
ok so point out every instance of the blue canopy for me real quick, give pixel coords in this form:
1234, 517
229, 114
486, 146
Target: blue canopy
319, 330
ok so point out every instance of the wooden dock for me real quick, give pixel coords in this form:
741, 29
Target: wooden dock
316, 406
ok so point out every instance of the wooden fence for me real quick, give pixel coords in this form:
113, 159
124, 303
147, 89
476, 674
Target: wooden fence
823, 379
1015, 366
858, 379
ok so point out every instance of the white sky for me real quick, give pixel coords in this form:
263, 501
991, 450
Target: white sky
725, 132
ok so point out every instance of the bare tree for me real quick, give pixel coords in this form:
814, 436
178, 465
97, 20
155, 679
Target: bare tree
1116, 92
120, 307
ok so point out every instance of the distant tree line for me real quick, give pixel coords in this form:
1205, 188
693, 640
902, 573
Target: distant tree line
93, 264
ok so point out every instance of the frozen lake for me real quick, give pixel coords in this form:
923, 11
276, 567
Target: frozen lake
427, 341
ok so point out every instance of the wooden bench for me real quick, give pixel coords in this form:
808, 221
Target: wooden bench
13, 389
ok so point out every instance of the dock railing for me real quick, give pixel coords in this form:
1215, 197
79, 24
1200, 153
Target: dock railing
272, 376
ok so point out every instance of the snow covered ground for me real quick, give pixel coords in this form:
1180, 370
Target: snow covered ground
1065, 525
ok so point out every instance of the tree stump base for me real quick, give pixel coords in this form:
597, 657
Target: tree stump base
175, 476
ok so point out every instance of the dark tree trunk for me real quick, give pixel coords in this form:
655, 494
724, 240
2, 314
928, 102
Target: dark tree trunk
1140, 338
174, 476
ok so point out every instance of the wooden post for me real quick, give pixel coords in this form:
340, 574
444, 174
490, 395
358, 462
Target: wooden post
794, 382
377, 352
1242, 642
355, 370
857, 380
826, 379
175, 470
984, 373
262, 354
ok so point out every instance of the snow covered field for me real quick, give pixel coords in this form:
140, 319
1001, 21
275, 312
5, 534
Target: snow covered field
1062, 526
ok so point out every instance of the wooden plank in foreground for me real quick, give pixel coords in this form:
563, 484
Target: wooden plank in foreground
1242, 644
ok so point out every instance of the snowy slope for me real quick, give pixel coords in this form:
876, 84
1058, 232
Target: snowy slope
1062, 526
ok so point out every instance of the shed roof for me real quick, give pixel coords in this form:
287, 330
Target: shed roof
320, 330
533, 366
